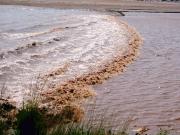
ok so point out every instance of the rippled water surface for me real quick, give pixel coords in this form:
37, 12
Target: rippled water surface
36, 41
149, 91
54, 45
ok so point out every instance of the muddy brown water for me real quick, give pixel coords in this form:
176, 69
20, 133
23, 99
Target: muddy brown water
148, 92
39, 54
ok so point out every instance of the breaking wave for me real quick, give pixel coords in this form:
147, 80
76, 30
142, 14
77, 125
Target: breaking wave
70, 51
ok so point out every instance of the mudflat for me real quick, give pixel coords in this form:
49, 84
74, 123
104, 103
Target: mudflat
122, 5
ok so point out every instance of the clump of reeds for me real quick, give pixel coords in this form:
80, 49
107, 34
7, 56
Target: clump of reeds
2, 127
79, 129
30, 120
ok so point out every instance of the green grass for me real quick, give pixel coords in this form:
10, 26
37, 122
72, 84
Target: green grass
30, 121
2, 126
80, 129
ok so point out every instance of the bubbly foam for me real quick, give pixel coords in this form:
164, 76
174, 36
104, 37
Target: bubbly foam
44, 58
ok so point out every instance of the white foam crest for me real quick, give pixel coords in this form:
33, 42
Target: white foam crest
86, 42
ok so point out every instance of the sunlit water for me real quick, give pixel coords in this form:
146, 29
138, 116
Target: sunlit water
149, 91
38, 41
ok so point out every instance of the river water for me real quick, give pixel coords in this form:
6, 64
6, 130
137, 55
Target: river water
36, 41
52, 45
148, 92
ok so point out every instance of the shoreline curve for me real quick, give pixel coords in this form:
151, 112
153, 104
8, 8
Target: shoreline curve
71, 93
74, 91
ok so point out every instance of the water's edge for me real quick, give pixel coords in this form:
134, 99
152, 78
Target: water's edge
79, 88
75, 90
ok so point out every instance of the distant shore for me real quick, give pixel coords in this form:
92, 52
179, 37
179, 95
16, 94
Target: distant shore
103, 5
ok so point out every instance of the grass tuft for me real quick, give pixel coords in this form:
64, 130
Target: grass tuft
78, 129
30, 121
2, 127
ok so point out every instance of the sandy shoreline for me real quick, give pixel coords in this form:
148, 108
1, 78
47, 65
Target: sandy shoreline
107, 5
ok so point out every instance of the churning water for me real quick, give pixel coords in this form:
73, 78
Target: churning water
37, 41
34, 42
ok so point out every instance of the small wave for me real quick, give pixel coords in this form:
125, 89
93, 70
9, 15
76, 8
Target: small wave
21, 35
84, 51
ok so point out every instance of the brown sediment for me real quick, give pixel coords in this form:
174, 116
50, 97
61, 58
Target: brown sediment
7, 112
56, 100
56, 72
74, 91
